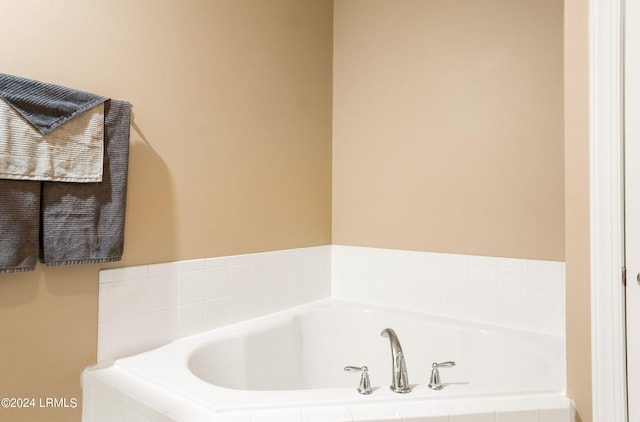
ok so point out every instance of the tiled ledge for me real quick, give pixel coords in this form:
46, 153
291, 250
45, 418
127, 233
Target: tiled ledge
112, 395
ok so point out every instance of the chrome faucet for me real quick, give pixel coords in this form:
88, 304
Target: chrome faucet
399, 378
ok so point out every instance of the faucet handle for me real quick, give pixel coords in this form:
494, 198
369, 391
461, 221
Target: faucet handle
434, 382
447, 364
365, 384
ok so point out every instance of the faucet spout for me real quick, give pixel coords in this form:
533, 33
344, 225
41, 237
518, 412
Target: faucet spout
399, 377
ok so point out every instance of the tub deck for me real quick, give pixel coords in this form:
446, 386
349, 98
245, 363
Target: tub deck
288, 367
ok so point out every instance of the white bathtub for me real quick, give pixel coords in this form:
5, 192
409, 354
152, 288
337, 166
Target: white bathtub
289, 366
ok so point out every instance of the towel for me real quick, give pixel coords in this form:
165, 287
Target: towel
71, 153
84, 223
49, 132
45, 106
19, 225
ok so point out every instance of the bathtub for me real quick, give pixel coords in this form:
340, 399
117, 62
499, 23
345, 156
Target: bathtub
290, 366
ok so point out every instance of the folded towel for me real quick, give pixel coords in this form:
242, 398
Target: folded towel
84, 223
71, 153
19, 225
49, 132
45, 106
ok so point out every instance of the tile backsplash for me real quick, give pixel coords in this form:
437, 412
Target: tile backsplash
520, 293
146, 306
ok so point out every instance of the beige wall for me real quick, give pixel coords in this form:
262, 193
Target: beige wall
230, 153
577, 206
448, 126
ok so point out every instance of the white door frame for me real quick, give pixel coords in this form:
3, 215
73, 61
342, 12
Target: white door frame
607, 236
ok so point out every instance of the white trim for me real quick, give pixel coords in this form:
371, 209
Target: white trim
607, 241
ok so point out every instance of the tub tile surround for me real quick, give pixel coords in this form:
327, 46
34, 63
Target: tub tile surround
144, 307
518, 293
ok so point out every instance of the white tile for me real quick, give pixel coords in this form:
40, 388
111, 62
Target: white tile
129, 335
453, 303
162, 327
217, 313
340, 271
191, 319
469, 411
482, 308
554, 408
162, 292
240, 279
159, 399
192, 287
240, 308
101, 408
127, 392
375, 413
279, 298
416, 267
192, 265
324, 414
129, 298
297, 294
483, 278
551, 402
104, 341
105, 302
217, 283
551, 267
372, 266
512, 278
129, 273
244, 259
423, 412
381, 292
217, 262
557, 415
158, 270
288, 415
549, 317
416, 297
544, 285
485, 261
515, 313
191, 412
353, 274
260, 303
105, 276
233, 417
455, 268
261, 278
282, 273
514, 409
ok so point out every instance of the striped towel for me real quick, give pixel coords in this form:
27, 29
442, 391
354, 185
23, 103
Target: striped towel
19, 225
83, 223
49, 132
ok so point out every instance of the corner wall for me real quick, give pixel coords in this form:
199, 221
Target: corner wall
448, 126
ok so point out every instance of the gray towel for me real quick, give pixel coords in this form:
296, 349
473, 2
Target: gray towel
45, 106
83, 223
19, 224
